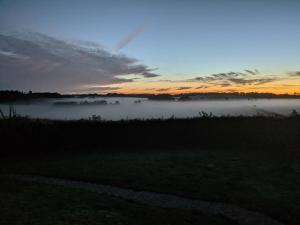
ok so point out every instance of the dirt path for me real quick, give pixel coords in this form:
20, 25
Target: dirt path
235, 213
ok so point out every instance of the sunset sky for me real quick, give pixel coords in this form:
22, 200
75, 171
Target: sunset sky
158, 46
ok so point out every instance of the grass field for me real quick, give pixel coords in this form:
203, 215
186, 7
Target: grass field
263, 179
261, 182
26, 136
37, 204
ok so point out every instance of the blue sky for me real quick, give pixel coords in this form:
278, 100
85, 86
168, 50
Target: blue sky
181, 39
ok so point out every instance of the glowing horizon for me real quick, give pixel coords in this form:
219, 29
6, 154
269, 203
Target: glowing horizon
288, 83
150, 46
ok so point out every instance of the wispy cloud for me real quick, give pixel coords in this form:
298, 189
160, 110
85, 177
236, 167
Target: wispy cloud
149, 75
38, 62
202, 87
251, 72
249, 77
225, 84
130, 37
12, 55
294, 74
242, 81
183, 88
163, 89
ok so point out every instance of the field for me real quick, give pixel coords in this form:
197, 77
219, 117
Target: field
36, 204
252, 162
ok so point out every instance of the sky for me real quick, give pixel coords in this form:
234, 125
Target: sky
158, 46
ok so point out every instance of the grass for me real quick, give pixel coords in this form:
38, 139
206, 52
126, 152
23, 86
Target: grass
26, 136
250, 162
39, 204
257, 181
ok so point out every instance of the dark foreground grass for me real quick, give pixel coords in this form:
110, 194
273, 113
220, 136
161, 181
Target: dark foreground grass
38, 204
25, 136
250, 162
255, 180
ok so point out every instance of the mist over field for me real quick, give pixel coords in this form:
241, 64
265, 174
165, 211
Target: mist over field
142, 108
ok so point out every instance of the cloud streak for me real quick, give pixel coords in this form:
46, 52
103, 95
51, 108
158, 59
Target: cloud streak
164, 89
242, 81
130, 37
149, 75
294, 74
183, 88
249, 77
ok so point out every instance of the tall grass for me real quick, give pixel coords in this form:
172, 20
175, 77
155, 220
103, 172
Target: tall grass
26, 136
12, 113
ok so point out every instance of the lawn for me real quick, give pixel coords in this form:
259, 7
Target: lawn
252, 162
39, 204
260, 181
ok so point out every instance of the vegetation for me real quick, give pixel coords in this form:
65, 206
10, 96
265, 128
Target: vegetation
263, 181
12, 113
29, 136
162, 97
17, 96
252, 162
14, 96
38, 204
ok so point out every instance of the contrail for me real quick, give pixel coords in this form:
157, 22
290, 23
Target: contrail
129, 38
